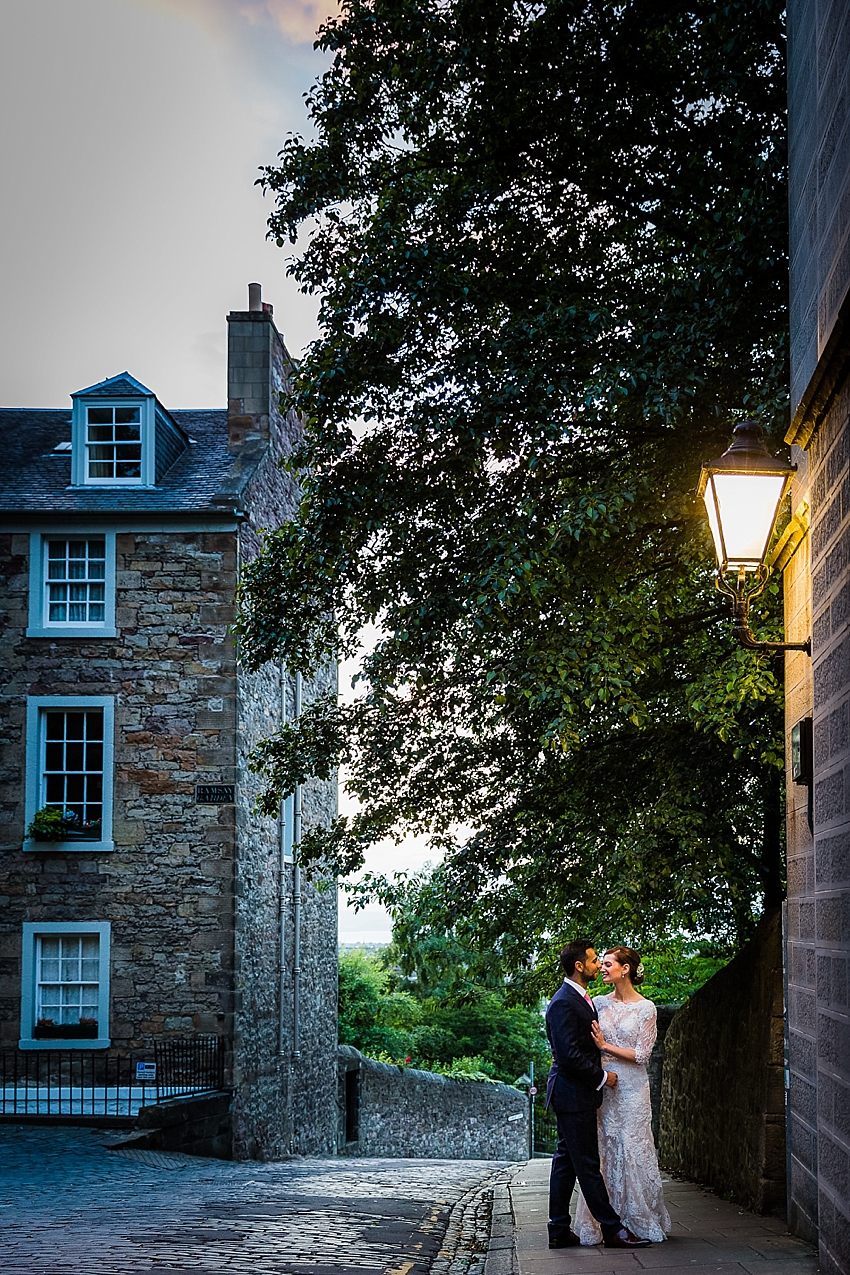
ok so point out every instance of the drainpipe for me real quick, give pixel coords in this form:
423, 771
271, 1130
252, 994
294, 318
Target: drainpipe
281, 894
296, 893
531, 1106
786, 1049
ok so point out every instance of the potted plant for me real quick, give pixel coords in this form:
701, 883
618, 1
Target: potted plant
50, 823
77, 830
48, 1029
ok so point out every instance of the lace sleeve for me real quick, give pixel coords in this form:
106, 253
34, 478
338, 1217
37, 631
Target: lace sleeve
646, 1036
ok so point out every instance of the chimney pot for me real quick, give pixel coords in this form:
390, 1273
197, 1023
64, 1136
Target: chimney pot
255, 296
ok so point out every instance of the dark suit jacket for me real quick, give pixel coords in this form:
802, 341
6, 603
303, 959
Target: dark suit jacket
576, 1072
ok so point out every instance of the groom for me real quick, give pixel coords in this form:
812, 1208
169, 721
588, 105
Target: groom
574, 1091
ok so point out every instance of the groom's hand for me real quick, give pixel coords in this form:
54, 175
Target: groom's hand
611, 1079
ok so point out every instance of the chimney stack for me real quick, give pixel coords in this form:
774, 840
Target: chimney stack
257, 366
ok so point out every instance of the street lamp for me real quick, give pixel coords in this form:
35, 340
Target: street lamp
743, 491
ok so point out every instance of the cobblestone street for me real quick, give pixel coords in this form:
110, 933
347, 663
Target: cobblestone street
69, 1205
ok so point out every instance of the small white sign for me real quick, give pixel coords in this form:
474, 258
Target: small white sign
533, 1090
518, 1116
145, 1071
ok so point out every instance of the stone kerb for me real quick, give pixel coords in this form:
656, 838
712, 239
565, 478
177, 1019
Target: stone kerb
409, 1113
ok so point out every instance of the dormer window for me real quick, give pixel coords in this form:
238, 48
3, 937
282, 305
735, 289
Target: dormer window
122, 436
114, 444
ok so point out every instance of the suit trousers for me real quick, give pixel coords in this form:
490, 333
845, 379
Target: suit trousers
577, 1157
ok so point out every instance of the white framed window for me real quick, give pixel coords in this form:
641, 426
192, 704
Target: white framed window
72, 584
121, 436
65, 985
69, 773
114, 444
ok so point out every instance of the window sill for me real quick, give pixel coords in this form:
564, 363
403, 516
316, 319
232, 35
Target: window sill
68, 847
70, 631
101, 1042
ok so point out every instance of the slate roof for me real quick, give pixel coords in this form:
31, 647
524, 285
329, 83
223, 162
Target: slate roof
34, 478
115, 387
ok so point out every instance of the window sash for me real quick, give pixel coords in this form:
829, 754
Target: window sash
75, 581
67, 978
113, 444
71, 769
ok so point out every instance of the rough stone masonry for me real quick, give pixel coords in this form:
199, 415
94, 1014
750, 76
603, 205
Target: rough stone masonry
198, 896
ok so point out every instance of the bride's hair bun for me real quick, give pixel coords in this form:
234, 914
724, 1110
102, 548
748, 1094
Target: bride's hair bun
628, 956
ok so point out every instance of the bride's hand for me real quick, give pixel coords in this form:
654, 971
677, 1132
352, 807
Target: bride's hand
598, 1038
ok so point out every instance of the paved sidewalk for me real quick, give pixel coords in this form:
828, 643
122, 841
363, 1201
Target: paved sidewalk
709, 1235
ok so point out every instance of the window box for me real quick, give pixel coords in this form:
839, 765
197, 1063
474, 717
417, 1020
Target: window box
85, 1029
65, 985
67, 835
52, 823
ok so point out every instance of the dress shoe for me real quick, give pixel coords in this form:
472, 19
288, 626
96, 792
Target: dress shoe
570, 1240
624, 1239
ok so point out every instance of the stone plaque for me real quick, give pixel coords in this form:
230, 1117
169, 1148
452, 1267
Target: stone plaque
215, 794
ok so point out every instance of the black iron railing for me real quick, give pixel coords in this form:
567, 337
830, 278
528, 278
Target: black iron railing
95, 1083
545, 1127
189, 1066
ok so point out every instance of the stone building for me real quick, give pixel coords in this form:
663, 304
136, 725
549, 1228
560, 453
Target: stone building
158, 905
817, 600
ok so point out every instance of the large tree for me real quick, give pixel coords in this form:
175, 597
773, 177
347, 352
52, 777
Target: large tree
549, 245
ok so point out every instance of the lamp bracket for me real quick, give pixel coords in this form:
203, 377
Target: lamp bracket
742, 596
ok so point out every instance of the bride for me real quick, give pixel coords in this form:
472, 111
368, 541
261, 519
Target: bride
626, 1034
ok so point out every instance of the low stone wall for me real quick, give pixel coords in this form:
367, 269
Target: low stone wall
198, 1124
399, 1111
722, 1105
655, 1066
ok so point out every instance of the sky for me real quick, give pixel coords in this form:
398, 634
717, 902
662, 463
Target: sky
132, 133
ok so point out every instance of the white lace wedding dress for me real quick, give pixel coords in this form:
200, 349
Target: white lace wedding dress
626, 1149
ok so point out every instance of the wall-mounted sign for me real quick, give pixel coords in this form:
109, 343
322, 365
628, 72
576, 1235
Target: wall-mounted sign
215, 794
801, 752
145, 1071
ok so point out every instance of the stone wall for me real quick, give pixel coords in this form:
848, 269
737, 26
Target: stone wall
801, 1013
722, 1109
655, 1066
408, 1113
819, 178
817, 591
198, 896
801, 1016
196, 1125
822, 1079
284, 1096
167, 886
